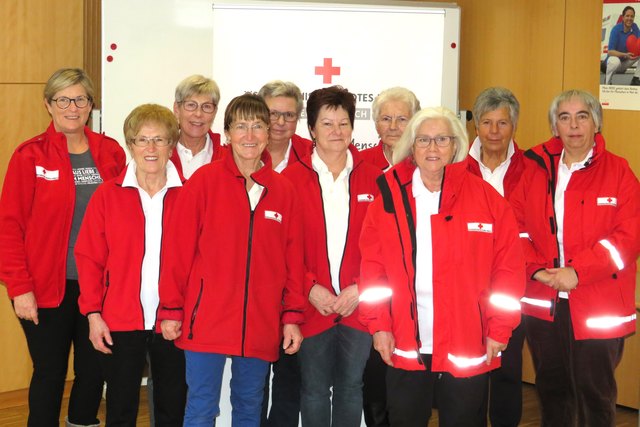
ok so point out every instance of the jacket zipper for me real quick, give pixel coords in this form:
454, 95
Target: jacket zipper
104, 297
248, 266
246, 282
553, 182
482, 337
324, 221
195, 309
346, 237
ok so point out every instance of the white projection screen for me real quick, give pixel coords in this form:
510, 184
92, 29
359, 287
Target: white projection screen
150, 45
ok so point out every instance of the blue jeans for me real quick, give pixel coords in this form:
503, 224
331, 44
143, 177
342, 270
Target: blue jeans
334, 358
204, 378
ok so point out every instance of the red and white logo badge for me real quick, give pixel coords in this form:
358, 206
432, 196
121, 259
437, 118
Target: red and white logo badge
481, 227
607, 201
365, 197
273, 215
45, 174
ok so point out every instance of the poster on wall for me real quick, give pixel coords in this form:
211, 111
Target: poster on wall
620, 56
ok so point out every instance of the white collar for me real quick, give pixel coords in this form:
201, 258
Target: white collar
579, 164
208, 147
476, 151
321, 167
131, 180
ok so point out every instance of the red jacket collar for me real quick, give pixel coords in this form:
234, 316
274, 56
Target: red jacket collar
262, 176
551, 150
60, 140
454, 176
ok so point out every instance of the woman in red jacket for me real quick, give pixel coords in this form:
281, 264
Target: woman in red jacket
495, 156
441, 276
195, 106
336, 187
46, 190
118, 253
578, 206
391, 111
232, 272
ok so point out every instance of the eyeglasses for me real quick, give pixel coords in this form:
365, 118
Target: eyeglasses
441, 141
288, 116
63, 102
206, 107
580, 117
388, 120
243, 128
143, 141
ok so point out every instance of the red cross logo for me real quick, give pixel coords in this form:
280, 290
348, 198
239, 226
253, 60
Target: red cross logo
327, 71
479, 226
277, 215
609, 200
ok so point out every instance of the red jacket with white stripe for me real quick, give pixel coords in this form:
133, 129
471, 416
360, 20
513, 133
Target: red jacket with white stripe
228, 273
218, 152
110, 250
36, 210
478, 270
514, 171
601, 238
375, 156
362, 190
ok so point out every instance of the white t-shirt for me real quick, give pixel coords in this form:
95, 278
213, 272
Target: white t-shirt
426, 205
564, 176
335, 199
495, 177
153, 209
191, 163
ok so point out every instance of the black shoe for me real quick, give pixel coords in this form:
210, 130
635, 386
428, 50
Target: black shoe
635, 81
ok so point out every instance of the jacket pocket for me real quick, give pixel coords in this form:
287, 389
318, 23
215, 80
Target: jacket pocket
194, 313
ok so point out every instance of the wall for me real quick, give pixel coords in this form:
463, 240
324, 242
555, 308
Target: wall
536, 48
36, 38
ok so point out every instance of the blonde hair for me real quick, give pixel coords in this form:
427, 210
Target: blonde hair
65, 77
151, 113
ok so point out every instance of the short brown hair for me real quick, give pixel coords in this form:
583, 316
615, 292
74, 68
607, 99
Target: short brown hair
333, 97
247, 106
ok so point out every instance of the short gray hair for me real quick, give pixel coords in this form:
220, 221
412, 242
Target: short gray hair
280, 88
394, 94
592, 104
197, 85
402, 148
494, 98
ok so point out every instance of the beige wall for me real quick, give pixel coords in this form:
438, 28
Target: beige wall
535, 48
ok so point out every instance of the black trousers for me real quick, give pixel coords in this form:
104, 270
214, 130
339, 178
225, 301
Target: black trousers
123, 373
574, 378
49, 345
285, 393
410, 395
505, 384
374, 391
